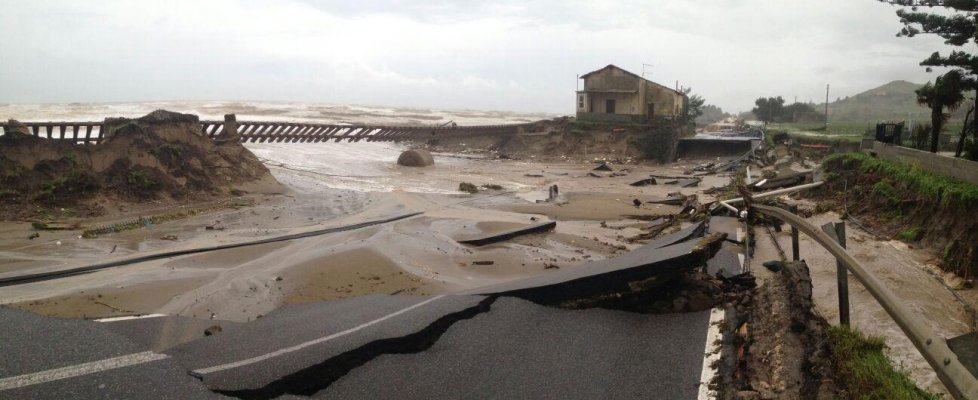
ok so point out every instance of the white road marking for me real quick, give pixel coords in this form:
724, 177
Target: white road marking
236, 364
128, 317
78, 370
712, 355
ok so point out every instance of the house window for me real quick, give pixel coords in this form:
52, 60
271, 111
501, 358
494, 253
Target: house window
580, 101
609, 106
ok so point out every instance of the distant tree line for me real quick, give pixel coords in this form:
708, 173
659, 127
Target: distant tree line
773, 109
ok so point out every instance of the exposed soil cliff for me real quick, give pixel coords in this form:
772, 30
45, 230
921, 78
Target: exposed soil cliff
926, 210
564, 139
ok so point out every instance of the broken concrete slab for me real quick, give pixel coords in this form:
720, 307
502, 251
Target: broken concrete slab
689, 182
483, 240
674, 199
603, 167
692, 231
644, 182
610, 275
732, 227
727, 262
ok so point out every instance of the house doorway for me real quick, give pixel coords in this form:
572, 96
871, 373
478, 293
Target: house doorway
609, 106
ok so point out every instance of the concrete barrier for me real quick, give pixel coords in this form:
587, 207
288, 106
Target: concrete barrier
957, 168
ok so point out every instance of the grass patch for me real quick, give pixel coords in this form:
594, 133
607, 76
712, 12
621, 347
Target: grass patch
938, 188
865, 370
885, 189
141, 180
911, 235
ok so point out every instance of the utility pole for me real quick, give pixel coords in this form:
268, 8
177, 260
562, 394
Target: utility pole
826, 108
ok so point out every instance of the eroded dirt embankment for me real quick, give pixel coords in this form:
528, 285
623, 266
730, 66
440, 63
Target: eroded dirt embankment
926, 210
779, 342
565, 139
162, 155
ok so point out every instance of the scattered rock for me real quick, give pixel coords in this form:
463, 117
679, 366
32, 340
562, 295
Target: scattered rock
213, 330
168, 237
774, 265
533, 175
637, 202
416, 158
483, 262
492, 186
278, 278
468, 188
34, 235
593, 175
603, 167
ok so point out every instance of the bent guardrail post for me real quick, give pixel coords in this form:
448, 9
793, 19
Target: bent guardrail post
837, 231
958, 380
795, 247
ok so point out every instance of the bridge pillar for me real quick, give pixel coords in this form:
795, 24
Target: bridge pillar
230, 127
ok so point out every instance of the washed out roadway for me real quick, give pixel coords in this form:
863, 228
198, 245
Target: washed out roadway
485, 345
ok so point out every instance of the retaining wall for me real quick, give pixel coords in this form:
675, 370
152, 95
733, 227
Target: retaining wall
956, 168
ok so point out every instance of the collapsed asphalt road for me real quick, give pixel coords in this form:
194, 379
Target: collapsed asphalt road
500, 342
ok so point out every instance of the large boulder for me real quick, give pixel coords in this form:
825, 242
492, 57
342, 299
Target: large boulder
415, 158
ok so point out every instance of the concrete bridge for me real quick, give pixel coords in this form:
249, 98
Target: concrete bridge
287, 132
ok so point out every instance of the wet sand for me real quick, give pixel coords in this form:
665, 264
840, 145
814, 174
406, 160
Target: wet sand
418, 255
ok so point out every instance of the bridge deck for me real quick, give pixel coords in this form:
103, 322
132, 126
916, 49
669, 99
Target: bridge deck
87, 132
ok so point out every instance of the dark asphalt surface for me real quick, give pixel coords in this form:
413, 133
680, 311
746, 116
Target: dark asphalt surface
161, 333
294, 325
522, 350
455, 346
694, 230
30, 343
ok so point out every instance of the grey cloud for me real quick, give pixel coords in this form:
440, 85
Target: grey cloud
516, 55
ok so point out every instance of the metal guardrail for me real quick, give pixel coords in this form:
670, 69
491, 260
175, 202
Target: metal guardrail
958, 380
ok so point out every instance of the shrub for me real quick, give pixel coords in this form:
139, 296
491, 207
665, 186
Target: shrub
865, 370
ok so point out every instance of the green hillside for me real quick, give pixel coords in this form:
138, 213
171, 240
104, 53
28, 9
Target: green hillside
894, 101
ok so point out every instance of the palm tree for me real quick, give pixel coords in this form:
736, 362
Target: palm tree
947, 91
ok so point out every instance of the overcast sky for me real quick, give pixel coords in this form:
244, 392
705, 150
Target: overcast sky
505, 55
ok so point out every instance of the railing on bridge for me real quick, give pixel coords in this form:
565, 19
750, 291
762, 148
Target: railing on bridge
287, 132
